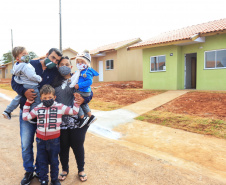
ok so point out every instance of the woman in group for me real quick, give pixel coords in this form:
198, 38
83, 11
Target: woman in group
71, 135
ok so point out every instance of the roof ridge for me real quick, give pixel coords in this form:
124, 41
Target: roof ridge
184, 33
114, 46
194, 25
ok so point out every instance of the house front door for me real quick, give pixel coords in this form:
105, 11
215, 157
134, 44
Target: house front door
193, 72
101, 68
190, 71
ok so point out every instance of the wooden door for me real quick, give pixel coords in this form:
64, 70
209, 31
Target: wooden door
193, 72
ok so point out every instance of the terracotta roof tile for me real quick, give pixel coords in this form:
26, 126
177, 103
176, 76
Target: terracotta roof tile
184, 33
115, 46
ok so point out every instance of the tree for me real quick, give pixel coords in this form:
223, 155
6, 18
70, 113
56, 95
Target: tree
7, 57
32, 54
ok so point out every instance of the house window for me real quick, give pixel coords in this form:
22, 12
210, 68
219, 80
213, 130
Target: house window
158, 63
109, 64
0, 71
6, 71
215, 59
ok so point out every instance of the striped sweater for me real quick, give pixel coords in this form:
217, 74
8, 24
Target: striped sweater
48, 118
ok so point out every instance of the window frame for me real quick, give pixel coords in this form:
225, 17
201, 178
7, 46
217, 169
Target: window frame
157, 63
106, 64
215, 59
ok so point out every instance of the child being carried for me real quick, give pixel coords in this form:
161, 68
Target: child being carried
24, 74
82, 80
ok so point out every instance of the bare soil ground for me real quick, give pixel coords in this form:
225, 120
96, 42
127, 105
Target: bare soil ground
108, 162
112, 162
121, 93
211, 104
198, 103
203, 104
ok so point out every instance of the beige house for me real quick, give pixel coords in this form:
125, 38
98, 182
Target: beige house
70, 53
5, 70
114, 62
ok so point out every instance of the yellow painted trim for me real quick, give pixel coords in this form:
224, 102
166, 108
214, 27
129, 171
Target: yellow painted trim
128, 44
195, 37
116, 48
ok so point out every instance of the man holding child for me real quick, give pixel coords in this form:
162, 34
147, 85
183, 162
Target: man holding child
47, 70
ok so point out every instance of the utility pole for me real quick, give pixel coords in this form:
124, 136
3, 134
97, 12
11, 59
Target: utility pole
60, 27
12, 46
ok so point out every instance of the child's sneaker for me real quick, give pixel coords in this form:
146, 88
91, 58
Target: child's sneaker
91, 120
6, 115
83, 121
44, 183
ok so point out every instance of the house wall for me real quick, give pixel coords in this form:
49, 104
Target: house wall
109, 75
70, 55
173, 77
74, 68
180, 65
130, 65
94, 65
2, 73
207, 79
165, 79
8, 71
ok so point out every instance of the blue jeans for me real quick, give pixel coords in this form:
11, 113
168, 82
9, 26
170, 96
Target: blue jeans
27, 133
48, 151
37, 99
83, 110
13, 104
16, 101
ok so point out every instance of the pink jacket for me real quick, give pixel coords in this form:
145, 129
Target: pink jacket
48, 118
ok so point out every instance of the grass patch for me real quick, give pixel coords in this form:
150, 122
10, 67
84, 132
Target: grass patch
6, 86
214, 127
103, 106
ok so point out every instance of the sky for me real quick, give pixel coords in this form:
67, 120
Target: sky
88, 24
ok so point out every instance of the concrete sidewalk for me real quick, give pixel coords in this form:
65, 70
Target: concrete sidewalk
110, 119
151, 103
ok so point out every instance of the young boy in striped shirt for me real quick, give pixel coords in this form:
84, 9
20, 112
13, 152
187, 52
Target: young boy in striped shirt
49, 117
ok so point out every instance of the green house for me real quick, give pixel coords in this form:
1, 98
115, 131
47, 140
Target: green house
189, 58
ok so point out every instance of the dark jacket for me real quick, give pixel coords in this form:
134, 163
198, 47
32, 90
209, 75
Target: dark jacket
47, 78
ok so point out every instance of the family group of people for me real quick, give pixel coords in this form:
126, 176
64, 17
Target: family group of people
54, 106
